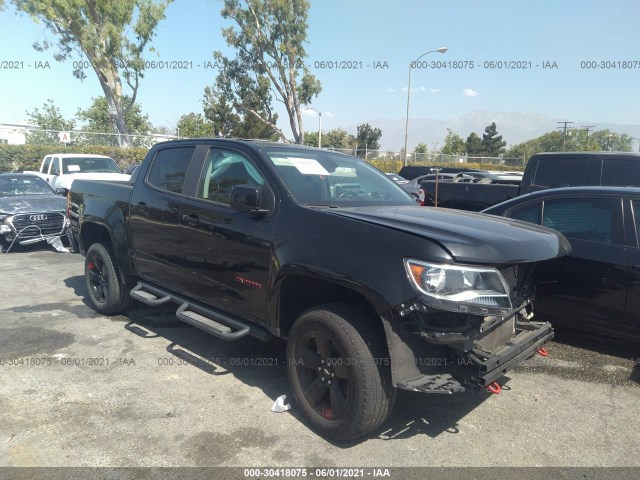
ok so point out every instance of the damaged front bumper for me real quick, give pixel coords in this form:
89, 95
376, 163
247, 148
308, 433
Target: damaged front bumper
472, 356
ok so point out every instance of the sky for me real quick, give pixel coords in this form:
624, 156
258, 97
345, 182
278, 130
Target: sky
554, 44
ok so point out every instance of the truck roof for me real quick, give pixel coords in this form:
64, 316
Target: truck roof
592, 154
76, 155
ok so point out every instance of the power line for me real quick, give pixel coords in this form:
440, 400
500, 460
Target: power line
564, 134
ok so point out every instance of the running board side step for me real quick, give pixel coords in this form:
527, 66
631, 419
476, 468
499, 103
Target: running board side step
187, 314
149, 298
205, 318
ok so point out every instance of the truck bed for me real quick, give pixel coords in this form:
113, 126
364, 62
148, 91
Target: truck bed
467, 196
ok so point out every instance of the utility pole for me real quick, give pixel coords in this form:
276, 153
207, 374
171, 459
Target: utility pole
588, 128
564, 134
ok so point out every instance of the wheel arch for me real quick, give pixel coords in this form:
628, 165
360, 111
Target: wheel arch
299, 292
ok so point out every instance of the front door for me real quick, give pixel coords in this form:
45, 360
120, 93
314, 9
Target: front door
226, 253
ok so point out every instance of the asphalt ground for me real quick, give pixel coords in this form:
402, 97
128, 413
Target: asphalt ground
78, 389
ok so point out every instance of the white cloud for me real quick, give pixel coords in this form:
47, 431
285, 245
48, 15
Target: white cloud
391, 90
308, 112
417, 89
329, 114
468, 92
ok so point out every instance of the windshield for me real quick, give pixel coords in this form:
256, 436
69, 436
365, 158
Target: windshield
19, 185
89, 164
324, 178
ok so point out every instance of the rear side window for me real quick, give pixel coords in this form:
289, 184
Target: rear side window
169, 168
45, 165
583, 218
620, 172
554, 172
528, 213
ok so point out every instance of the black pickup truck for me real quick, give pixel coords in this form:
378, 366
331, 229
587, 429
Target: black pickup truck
370, 291
543, 170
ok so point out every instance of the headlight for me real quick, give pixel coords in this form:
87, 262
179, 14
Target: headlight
4, 223
461, 288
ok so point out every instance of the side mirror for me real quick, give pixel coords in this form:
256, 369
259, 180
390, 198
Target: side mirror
62, 191
246, 198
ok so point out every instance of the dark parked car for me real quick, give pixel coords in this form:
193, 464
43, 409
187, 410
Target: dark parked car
597, 286
413, 186
30, 210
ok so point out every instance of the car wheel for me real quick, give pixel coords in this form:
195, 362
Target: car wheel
339, 371
107, 293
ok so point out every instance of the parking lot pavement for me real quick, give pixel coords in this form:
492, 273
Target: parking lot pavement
143, 389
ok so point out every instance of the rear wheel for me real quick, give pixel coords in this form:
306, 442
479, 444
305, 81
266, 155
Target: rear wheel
107, 293
339, 371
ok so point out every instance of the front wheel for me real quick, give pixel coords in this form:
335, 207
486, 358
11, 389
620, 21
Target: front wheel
108, 295
339, 371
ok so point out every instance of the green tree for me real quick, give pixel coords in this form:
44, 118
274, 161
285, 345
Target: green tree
112, 35
47, 118
311, 139
367, 138
194, 125
97, 119
576, 140
228, 123
492, 143
421, 149
606, 140
474, 146
338, 138
453, 144
270, 57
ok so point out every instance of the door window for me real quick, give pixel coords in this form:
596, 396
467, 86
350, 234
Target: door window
222, 170
45, 165
554, 172
169, 168
55, 168
618, 172
583, 218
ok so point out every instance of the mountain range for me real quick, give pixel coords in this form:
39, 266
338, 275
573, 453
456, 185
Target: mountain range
515, 127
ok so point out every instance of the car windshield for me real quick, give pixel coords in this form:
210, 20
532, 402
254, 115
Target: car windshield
324, 178
19, 185
89, 164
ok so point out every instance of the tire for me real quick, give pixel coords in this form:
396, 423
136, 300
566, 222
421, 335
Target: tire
108, 295
339, 371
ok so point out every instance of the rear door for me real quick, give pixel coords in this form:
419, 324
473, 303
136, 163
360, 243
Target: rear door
155, 216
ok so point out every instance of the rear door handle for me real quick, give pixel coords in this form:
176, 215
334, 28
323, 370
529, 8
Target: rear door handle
142, 205
192, 219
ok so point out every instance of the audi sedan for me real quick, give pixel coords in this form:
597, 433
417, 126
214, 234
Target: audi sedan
30, 211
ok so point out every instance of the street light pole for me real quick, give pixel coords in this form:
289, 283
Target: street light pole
319, 125
406, 124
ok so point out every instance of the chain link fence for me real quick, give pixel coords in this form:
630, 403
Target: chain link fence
429, 157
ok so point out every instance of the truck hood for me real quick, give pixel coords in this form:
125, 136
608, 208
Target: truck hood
32, 203
468, 237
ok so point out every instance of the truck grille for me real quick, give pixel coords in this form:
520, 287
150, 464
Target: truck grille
29, 225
